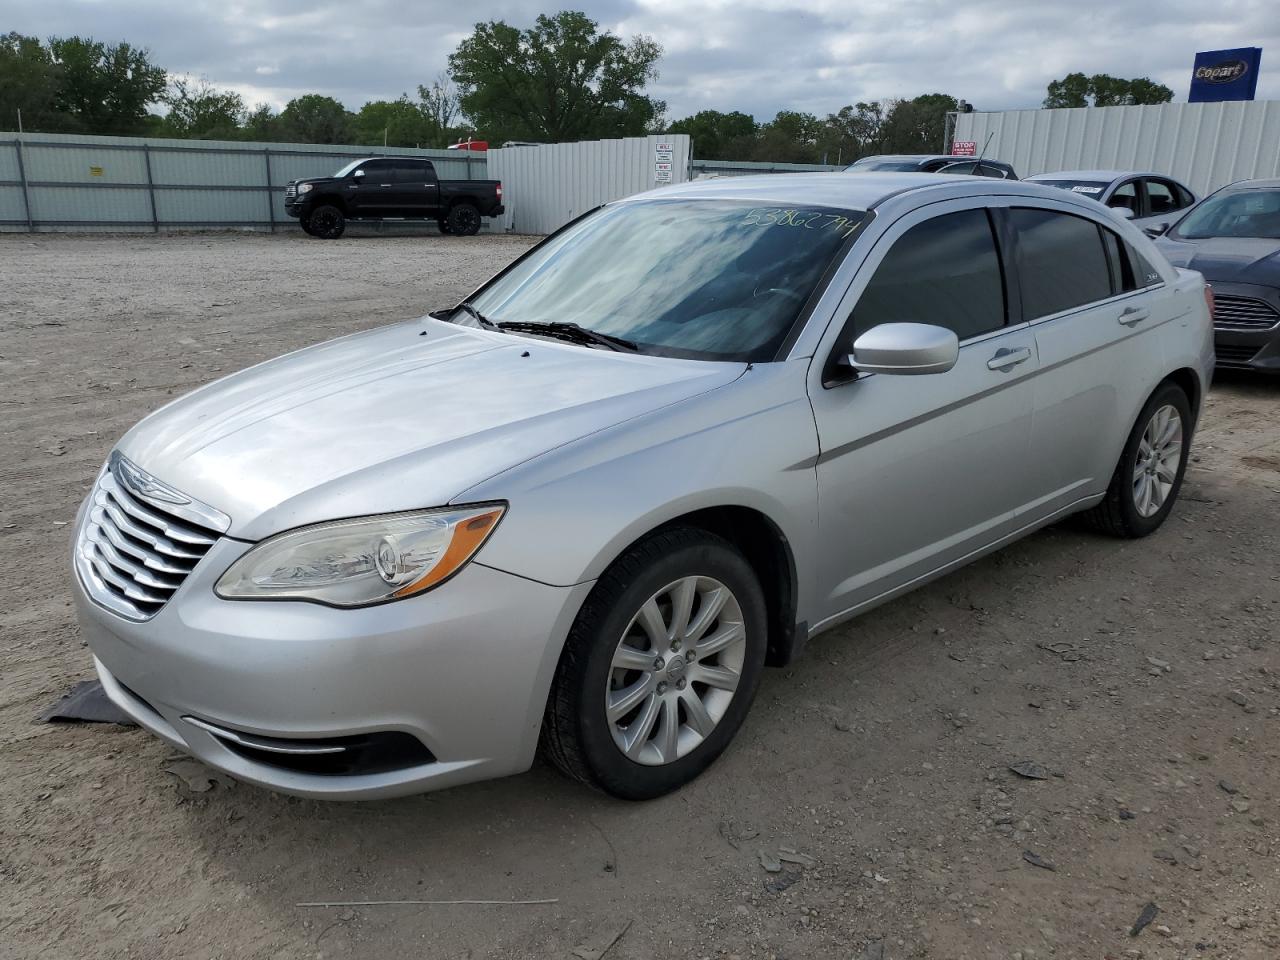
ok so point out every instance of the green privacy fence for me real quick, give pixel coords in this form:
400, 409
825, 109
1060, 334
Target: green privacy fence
63, 182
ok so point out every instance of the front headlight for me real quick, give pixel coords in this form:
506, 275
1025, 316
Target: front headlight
305, 188
354, 563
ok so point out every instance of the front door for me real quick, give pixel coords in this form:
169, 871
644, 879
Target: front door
374, 191
918, 472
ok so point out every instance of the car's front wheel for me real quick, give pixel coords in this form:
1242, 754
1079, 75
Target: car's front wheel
660, 667
1149, 476
326, 222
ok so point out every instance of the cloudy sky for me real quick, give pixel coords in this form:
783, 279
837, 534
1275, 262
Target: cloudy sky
759, 56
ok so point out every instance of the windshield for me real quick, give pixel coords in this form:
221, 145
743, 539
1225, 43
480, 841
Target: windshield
876, 163
1090, 188
1243, 213
707, 279
348, 168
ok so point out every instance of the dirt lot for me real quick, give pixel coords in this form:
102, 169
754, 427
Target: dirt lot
1142, 676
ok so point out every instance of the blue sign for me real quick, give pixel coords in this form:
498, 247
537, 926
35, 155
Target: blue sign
1225, 75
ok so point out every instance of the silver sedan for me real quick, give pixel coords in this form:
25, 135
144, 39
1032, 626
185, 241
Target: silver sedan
583, 509
1153, 201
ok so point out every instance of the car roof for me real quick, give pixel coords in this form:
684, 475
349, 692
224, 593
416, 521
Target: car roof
1262, 183
1099, 175
923, 157
861, 192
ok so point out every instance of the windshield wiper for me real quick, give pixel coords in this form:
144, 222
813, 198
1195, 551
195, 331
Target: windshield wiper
571, 332
480, 317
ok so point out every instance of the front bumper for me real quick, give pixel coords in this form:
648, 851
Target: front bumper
1248, 349
464, 669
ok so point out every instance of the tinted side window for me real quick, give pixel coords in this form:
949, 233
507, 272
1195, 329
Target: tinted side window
1160, 198
945, 271
1061, 261
987, 170
412, 171
1126, 195
380, 170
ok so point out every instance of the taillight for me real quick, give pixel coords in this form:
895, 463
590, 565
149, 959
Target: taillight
499, 189
1208, 298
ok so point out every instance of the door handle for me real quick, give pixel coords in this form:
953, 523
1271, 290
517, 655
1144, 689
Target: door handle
384, 184
1007, 358
1133, 315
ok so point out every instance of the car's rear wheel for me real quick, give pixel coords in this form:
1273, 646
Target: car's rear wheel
326, 222
463, 219
1149, 476
660, 667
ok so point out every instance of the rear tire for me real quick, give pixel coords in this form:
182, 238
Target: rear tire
464, 219
1149, 475
326, 222
660, 667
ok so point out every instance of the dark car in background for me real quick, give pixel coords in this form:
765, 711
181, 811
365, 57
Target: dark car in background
390, 188
933, 163
1233, 238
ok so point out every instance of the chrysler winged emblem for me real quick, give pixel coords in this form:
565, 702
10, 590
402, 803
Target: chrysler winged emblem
143, 483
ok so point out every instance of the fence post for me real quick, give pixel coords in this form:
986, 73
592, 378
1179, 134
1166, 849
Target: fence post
151, 188
271, 200
468, 159
26, 193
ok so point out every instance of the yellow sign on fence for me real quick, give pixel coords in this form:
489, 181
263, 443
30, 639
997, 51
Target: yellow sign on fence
95, 171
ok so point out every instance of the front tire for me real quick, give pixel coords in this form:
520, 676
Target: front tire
1149, 475
660, 667
326, 222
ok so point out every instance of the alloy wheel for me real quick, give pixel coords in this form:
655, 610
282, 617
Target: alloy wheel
675, 670
1156, 466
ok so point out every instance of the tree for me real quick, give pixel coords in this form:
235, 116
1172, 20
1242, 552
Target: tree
917, 125
395, 123
439, 107
316, 119
719, 136
29, 81
200, 111
852, 132
1103, 90
105, 88
790, 137
261, 123
560, 80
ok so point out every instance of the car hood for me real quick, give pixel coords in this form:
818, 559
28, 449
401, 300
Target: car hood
1227, 259
398, 418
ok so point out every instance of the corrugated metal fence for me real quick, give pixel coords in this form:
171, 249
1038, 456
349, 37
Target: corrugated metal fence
1206, 145
547, 185
63, 182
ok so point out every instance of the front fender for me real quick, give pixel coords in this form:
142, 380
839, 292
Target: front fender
575, 509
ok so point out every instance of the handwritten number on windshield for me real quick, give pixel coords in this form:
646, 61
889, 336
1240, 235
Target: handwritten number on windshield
806, 219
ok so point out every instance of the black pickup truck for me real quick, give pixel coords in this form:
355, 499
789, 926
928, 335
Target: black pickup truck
390, 188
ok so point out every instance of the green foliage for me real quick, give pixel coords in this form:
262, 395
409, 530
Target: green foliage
316, 119
560, 80
29, 81
719, 136
916, 125
1102, 90
200, 111
104, 88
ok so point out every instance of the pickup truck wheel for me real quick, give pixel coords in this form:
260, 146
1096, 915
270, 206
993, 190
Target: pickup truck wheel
464, 219
326, 222
660, 667
443, 224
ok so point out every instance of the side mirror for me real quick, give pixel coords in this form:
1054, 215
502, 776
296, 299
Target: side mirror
905, 348
1156, 230
1124, 212
358, 172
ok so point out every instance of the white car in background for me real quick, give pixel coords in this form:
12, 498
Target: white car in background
1151, 200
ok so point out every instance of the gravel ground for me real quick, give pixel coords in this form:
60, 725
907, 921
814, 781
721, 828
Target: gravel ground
1141, 677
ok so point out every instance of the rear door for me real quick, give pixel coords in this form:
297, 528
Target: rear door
916, 472
1089, 300
1164, 200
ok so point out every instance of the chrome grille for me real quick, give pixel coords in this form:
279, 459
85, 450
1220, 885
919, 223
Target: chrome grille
1243, 313
140, 539
290, 191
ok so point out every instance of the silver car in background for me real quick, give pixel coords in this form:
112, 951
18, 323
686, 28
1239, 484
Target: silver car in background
1152, 201
667, 446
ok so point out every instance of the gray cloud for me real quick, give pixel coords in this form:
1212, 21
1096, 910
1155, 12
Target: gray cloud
759, 56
